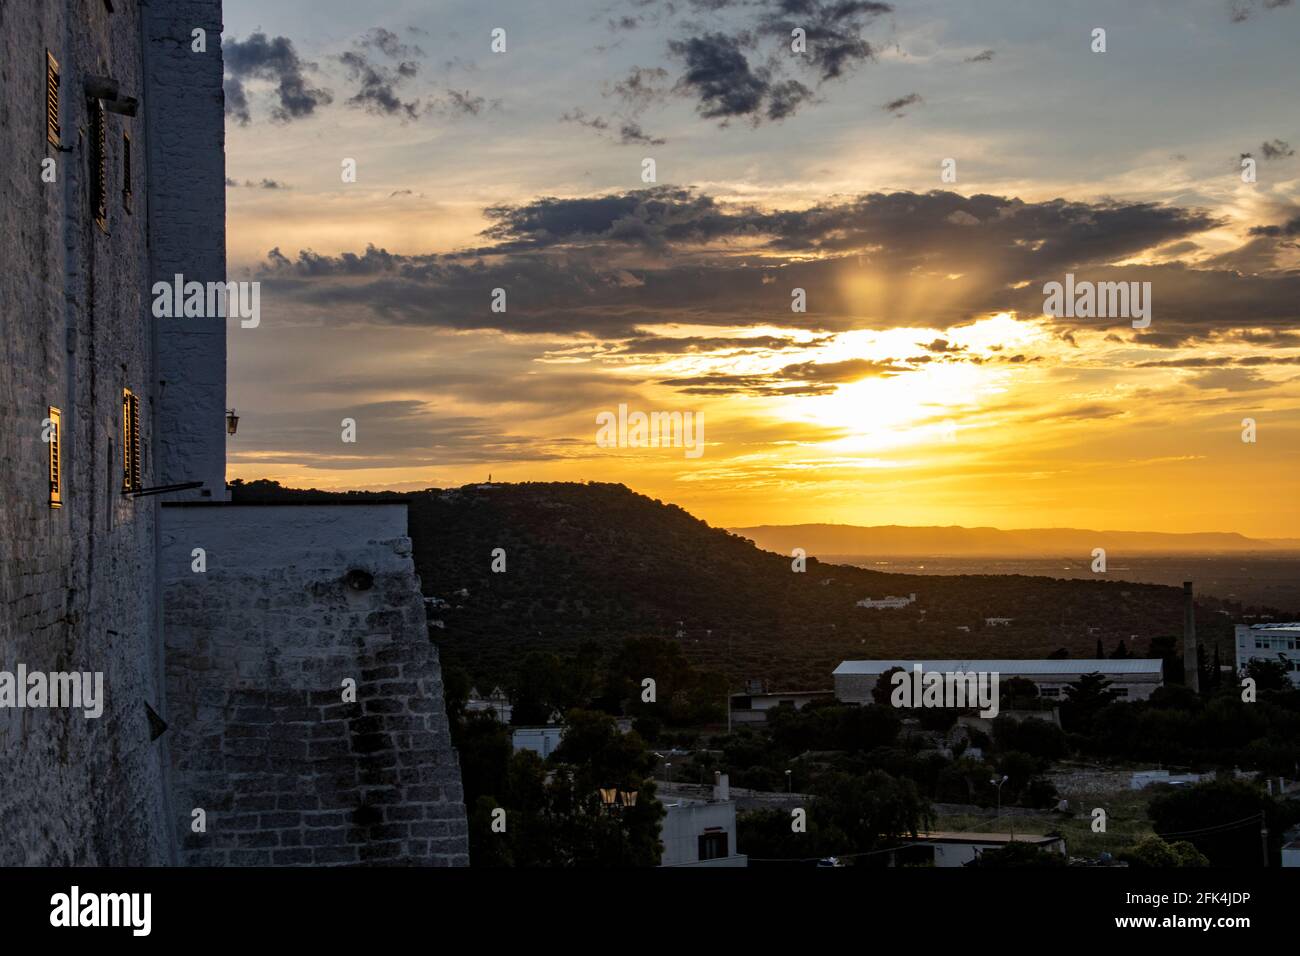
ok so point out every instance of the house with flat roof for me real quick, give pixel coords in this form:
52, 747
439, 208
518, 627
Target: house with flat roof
1270, 642
953, 848
698, 832
754, 708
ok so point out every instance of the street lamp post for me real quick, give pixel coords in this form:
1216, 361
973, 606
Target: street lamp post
998, 784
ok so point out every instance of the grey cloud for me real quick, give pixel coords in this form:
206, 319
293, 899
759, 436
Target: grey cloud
631, 134
833, 29
389, 43
903, 102
642, 88
610, 265
275, 59
1230, 379
377, 86
1276, 149
236, 100
390, 434
718, 71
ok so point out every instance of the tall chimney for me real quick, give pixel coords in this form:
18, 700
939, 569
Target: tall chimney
1191, 672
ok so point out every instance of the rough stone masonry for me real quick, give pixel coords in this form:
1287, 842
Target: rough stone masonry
292, 602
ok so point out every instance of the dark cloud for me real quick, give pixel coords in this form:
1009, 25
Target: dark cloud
1241, 10
1088, 412
647, 344
833, 30
236, 100
642, 88
1289, 228
611, 265
389, 43
942, 346
983, 57
630, 133
1230, 379
804, 378
377, 86
275, 59
390, 434
1206, 361
1276, 149
903, 102
722, 75
718, 72
263, 184
580, 117
465, 103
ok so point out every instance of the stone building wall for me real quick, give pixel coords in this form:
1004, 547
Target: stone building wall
77, 584
294, 601
187, 217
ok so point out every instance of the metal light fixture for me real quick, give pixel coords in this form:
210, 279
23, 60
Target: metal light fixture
608, 795
232, 421
629, 798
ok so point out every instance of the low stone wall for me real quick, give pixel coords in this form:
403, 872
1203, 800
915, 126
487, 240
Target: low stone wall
294, 601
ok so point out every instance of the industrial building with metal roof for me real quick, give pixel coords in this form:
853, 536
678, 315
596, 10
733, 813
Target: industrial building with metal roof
1131, 678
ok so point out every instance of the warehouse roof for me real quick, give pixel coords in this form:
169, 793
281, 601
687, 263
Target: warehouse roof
1079, 666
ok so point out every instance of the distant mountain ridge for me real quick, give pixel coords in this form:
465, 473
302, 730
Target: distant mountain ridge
837, 539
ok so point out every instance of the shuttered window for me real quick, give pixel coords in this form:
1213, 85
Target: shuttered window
56, 457
99, 163
51, 99
130, 442
126, 172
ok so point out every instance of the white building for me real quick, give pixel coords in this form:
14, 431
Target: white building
496, 702
1131, 679
1270, 642
959, 849
701, 832
754, 708
888, 601
540, 740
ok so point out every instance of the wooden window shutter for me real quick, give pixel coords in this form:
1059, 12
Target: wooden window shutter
126, 172
56, 458
51, 99
99, 170
130, 442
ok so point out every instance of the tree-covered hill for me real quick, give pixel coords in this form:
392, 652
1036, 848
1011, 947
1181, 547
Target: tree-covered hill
601, 562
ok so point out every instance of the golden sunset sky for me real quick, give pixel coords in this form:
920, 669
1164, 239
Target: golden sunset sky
922, 386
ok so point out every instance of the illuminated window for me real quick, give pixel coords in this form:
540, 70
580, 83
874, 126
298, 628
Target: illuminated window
56, 457
51, 99
99, 163
130, 442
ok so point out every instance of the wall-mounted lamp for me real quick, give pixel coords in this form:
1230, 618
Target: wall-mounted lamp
232, 421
